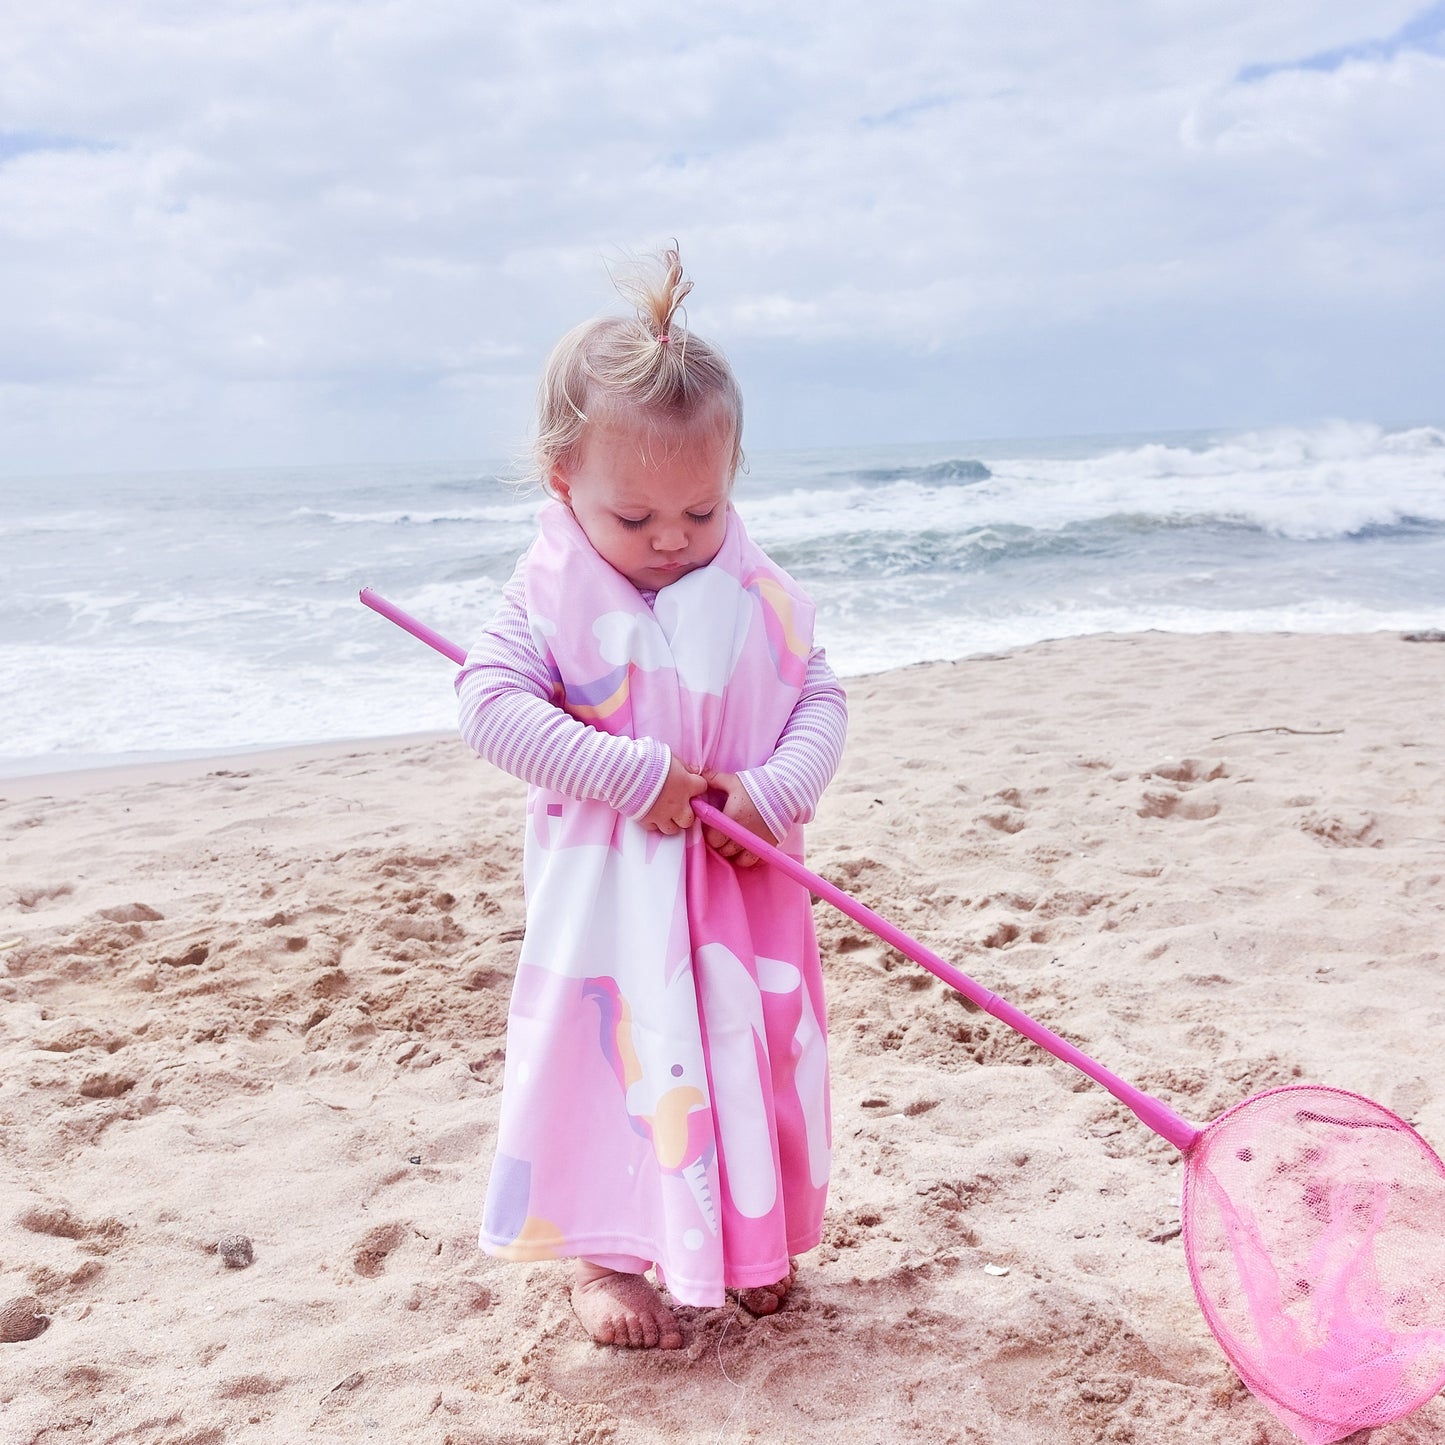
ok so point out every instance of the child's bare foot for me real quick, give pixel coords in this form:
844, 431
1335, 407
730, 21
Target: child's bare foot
622, 1309
768, 1299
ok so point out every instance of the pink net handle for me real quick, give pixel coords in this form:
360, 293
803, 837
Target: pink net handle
1149, 1110
408, 623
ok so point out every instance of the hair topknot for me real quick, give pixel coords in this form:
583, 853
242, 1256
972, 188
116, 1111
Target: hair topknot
657, 288
647, 366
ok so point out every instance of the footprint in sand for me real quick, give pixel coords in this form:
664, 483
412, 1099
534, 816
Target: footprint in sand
27, 900
847, 1230
331, 984
74, 1037
249, 1387
987, 1043
1002, 934
106, 1085
1004, 821
131, 913
1344, 830
1187, 771
191, 957
375, 1247
1166, 804
60, 1222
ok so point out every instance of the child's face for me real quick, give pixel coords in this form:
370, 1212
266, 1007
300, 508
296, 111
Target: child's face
653, 502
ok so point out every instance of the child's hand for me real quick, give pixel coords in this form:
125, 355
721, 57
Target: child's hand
738, 807
672, 812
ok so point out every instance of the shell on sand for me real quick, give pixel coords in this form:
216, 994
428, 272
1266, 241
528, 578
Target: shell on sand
21, 1319
236, 1250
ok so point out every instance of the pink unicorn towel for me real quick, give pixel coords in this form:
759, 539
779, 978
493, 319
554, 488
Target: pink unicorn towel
665, 1096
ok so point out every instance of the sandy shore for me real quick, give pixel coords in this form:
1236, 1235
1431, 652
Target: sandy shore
267, 997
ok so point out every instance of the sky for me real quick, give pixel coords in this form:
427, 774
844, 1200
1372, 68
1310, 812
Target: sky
270, 232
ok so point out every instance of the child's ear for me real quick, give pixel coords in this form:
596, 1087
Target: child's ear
560, 487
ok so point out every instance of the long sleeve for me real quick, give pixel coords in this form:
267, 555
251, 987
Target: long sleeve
786, 789
509, 714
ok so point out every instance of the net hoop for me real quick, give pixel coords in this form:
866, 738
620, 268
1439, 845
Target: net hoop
1314, 1231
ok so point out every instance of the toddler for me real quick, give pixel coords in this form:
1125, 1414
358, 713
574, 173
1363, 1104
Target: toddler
665, 1094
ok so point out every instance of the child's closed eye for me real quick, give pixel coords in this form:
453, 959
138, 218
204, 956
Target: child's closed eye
700, 519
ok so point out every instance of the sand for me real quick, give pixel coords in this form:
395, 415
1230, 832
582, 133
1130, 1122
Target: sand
265, 997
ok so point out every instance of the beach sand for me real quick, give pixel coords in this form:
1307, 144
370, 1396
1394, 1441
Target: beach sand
267, 996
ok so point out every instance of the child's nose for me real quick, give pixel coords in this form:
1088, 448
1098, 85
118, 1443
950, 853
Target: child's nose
670, 539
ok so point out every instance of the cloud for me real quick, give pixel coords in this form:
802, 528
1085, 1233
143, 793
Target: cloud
331, 229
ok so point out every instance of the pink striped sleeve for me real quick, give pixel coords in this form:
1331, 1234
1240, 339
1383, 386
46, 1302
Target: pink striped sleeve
508, 714
786, 789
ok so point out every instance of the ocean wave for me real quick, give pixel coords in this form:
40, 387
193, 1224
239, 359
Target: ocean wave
280, 613
954, 470
517, 513
1334, 482
72, 612
1276, 450
798, 524
869, 553
50, 523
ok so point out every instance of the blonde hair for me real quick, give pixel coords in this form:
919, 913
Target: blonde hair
647, 366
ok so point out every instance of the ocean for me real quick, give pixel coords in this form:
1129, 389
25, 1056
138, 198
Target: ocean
169, 614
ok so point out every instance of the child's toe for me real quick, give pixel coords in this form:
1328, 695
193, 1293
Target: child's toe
624, 1310
768, 1299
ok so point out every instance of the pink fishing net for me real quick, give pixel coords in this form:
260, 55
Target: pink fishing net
1314, 1220
1314, 1225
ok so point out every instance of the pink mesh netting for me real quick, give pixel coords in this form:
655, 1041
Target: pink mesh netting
1314, 1227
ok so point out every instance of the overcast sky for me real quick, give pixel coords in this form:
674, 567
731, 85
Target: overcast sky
349, 230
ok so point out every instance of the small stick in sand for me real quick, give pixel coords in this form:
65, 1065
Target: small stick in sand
1298, 732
